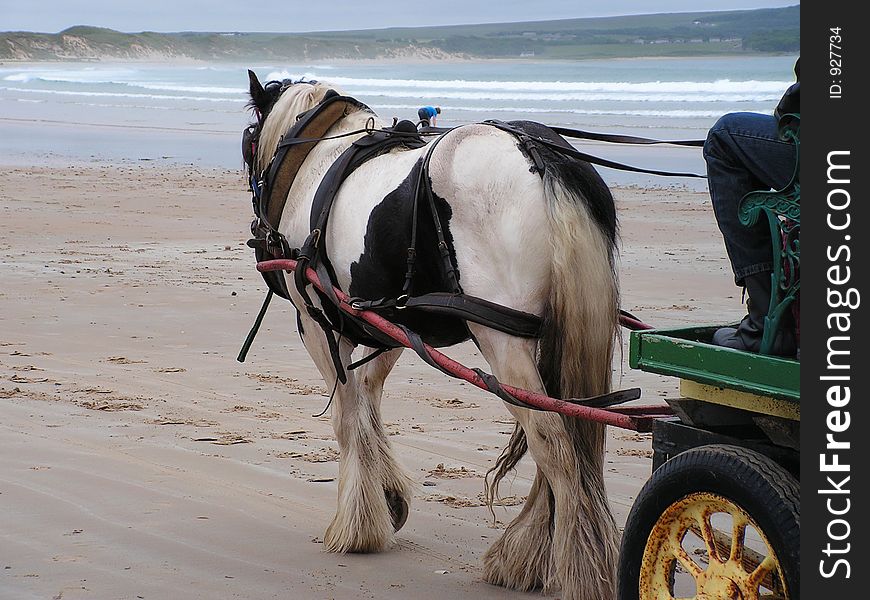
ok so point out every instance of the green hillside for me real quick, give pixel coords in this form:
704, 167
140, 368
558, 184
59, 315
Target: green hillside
775, 30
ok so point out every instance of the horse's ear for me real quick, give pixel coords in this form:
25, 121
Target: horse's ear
258, 94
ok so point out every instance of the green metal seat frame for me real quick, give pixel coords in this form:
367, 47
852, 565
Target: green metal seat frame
783, 211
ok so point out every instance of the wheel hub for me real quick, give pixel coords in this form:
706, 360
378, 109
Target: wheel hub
718, 587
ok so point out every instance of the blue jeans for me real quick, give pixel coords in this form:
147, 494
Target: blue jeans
744, 154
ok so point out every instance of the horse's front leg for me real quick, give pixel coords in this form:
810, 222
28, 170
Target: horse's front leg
373, 493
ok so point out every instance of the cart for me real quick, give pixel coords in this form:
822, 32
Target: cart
720, 516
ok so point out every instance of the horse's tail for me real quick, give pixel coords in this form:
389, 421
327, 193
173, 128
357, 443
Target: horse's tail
582, 318
576, 348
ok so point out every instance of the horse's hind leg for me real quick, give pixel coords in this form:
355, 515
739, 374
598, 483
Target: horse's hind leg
522, 557
568, 537
373, 493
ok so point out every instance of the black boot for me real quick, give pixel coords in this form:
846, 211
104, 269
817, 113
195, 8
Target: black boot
747, 335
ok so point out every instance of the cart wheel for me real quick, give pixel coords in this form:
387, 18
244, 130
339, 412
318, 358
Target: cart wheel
715, 522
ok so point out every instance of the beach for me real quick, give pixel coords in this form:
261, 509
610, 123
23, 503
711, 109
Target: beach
141, 460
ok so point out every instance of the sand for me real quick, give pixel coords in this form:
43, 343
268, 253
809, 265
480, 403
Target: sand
138, 459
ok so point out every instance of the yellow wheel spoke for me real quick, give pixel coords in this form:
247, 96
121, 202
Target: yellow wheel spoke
687, 563
738, 534
708, 535
767, 566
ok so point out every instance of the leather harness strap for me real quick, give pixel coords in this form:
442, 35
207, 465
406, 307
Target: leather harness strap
423, 187
464, 306
295, 147
589, 135
595, 160
592, 135
621, 139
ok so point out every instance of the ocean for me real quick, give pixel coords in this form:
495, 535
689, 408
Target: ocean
193, 113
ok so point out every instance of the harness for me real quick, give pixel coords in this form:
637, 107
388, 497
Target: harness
269, 197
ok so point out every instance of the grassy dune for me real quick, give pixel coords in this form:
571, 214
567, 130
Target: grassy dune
675, 34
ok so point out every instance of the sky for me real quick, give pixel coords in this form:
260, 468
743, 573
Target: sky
51, 16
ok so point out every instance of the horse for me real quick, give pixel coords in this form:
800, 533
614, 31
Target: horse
537, 240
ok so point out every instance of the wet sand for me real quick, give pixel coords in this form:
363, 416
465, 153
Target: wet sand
140, 460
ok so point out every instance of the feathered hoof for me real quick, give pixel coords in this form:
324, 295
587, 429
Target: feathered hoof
362, 522
516, 564
359, 537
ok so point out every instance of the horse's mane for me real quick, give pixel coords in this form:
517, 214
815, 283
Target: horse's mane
296, 99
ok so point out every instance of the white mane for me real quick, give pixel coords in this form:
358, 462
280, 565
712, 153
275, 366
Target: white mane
295, 100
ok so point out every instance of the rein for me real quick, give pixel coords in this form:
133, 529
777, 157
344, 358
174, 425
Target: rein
600, 137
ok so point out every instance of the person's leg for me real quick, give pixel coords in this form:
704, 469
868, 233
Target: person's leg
744, 154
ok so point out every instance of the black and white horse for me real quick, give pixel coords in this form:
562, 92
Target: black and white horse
539, 243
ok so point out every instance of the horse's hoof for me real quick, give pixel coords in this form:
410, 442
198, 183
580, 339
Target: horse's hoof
399, 508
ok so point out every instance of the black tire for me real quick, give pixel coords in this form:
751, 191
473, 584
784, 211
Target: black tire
755, 483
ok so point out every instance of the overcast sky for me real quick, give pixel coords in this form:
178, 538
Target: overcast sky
318, 15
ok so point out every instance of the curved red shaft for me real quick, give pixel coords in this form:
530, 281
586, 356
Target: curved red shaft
633, 421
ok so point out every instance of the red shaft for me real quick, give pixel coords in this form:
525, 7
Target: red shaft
535, 399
